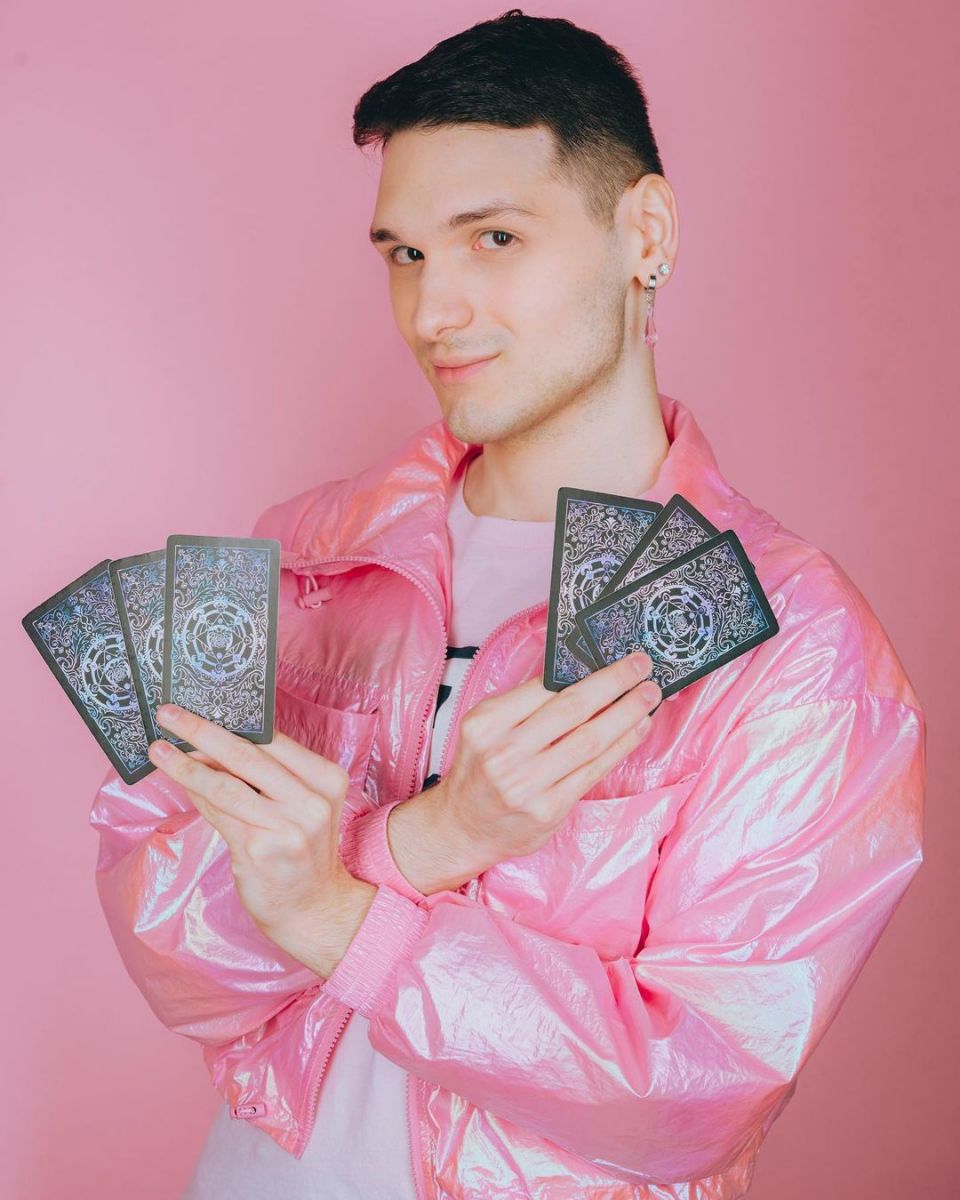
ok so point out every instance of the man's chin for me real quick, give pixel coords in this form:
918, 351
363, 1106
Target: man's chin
472, 434
466, 431
483, 428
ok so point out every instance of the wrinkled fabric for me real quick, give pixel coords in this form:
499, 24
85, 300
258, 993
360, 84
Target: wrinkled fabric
623, 1013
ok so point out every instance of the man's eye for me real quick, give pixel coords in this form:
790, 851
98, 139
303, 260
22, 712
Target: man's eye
499, 233
495, 233
394, 251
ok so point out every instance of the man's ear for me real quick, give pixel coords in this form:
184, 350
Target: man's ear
649, 227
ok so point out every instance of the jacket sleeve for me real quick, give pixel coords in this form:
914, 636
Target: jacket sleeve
167, 890
365, 850
166, 887
785, 864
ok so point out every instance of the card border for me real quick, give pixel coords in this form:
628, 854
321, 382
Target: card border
102, 741
572, 637
729, 536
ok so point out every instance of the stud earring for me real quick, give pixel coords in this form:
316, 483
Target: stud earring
650, 334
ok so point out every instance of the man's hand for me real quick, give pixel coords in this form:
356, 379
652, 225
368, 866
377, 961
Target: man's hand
278, 808
523, 760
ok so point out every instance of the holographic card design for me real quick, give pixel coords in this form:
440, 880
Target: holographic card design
594, 532
79, 635
691, 615
678, 528
220, 620
138, 587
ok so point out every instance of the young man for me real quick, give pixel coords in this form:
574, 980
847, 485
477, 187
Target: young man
594, 945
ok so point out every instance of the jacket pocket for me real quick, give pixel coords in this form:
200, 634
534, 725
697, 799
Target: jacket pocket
343, 735
589, 883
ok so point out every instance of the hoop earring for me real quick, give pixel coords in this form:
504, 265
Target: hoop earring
650, 334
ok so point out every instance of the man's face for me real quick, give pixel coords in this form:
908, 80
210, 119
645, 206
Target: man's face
543, 294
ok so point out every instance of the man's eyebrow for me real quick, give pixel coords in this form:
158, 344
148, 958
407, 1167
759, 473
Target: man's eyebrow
493, 209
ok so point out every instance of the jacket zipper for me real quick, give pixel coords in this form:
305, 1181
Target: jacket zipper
417, 1136
317, 1076
298, 567
470, 672
421, 1150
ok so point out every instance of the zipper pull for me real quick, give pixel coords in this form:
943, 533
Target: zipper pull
312, 595
243, 1112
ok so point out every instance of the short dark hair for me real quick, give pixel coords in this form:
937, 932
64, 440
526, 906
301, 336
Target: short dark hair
520, 71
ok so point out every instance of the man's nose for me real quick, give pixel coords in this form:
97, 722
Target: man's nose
442, 304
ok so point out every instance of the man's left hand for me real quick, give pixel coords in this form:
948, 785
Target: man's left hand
278, 807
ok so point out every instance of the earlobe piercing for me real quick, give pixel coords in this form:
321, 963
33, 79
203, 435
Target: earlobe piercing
649, 330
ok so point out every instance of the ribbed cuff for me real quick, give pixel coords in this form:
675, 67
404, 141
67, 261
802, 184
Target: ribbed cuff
392, 927
365, 850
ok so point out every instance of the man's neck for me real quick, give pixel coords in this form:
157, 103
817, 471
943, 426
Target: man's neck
618, 452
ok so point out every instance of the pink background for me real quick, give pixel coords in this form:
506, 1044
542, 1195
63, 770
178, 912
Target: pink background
192, 327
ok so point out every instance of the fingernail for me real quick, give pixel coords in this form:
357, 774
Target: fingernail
161, 748
169, 712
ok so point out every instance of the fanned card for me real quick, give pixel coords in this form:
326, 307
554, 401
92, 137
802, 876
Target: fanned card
79, 634
220, 630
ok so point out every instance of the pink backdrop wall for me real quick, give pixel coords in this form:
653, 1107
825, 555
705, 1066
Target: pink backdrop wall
192, 326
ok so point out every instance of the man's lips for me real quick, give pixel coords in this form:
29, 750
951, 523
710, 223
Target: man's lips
462, 370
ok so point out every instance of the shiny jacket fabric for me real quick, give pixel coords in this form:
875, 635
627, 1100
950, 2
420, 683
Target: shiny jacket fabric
622, 1013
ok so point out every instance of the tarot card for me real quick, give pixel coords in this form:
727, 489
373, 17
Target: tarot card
138, 587
79, 635
593, 533
691, 615
220, 630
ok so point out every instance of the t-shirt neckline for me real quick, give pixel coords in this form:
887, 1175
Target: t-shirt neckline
502, 530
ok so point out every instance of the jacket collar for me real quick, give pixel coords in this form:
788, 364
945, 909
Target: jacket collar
395, 510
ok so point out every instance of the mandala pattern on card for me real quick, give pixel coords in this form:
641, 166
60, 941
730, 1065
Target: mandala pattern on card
597, 538
84, 638
686, 618
218, 655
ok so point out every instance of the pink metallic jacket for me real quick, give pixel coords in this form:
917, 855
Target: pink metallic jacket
622, 1013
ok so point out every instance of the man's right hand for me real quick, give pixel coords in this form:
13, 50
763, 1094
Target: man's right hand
524, 758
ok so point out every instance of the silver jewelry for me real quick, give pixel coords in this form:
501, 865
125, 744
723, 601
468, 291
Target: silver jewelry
649, 330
